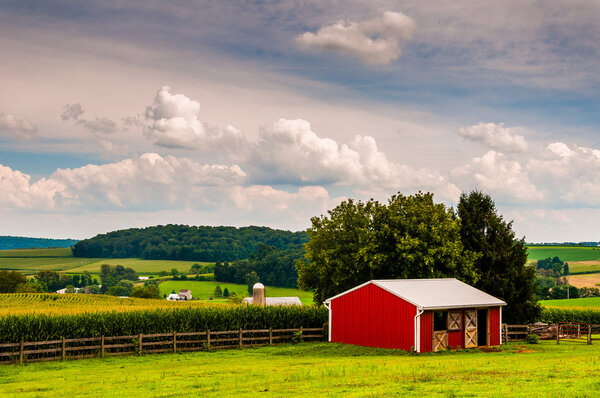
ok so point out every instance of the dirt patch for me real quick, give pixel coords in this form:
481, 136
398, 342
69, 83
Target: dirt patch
489, 349
523, 350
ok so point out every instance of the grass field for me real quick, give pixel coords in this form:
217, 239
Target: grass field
585, 280
55, 304
579, 303
320, 370
584, 266
202, 290
29, 261
565, 253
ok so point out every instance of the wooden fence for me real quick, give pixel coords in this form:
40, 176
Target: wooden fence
90, 347
563, 331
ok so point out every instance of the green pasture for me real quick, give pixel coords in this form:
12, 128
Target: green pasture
320, 370
202, 290
139, 265
580, 303
29, 265
565, 253
584, 267
54, 252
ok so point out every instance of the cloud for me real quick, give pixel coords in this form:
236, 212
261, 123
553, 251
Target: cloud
498, 175
495, 136
289, 152
174, 122
572, 173
73, 112
375, 42
19, 129
148, 182
113, 150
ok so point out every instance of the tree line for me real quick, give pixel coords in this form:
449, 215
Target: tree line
183, 242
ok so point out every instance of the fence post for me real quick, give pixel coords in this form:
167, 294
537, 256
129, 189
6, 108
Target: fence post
241, 343
528, 329
64, 353
557, 333
505, 332
140, 344
102, 347
21, 353
301, 339
589, 336
174, 341
208, 338
270, 335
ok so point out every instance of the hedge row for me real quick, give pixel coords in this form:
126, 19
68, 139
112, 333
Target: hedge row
13, 328
554, 315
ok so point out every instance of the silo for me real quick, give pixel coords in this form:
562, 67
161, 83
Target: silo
258, 294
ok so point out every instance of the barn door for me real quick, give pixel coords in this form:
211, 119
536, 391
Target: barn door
470, 328
440, 340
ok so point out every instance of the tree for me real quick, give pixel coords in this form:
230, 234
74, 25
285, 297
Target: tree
566, 269
150, 291
70, 289
218, 292
123, 288
30, 287
410, 237
226, 292
502, 262
251, 279
10, 281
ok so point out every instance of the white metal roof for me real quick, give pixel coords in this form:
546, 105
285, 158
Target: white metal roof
278, 301
429, 294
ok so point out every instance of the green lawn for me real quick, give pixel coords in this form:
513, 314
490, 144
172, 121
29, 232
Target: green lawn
202, 290
587, 302
319, 370
565, 253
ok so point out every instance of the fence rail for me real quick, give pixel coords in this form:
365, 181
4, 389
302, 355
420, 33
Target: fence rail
88, 347
562, 331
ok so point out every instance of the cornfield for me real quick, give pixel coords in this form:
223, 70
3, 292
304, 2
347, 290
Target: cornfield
43, 326
69, 304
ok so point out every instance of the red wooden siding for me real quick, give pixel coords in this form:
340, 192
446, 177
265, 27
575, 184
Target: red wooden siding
373, 317
494, 326
426, 331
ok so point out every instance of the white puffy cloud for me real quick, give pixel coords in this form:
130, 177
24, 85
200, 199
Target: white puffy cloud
572, 173
498, 175
495, 136
174, 122
288, 151
12, 127
148, 182
375, 42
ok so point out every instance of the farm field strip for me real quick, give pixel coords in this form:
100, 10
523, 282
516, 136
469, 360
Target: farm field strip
584, 266
53, 252
585, 280
29, 265
139, 265
577, 303
69, 304
565, 253
320, 370
203, 289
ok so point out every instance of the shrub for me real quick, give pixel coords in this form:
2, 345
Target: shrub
554, 315
532, 339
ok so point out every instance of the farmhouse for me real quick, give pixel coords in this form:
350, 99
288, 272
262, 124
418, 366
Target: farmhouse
421, 314
185, 294
173, 296
259, 298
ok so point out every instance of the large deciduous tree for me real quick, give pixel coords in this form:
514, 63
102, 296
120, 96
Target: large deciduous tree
502, 261
410, 237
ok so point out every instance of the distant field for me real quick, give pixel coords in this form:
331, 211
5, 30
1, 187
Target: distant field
585, 280
584, 266
581, 303
57, 252
29, 261
50, 303
565, 253
202, 290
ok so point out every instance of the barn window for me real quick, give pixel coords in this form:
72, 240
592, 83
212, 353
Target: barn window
440, 320
454, 320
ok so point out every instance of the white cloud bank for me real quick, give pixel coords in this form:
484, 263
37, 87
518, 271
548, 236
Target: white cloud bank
19, 129
495, 136
375, 42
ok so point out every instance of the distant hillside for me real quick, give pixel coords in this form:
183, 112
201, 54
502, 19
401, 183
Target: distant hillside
19, 242
182, 242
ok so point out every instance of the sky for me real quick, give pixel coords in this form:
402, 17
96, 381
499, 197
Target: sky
119, 114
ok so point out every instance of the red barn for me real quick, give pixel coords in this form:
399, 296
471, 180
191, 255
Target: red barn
424, 314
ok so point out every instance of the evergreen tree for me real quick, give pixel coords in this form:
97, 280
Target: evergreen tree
218, 292
502, 262
226, 292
